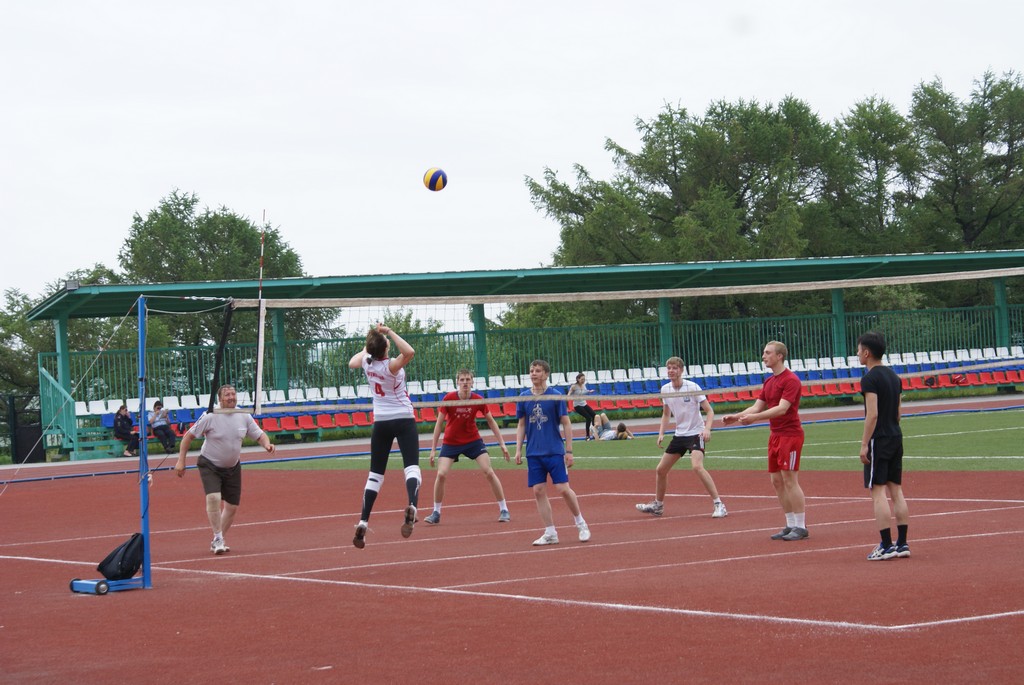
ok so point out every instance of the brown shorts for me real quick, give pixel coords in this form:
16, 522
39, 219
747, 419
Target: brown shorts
228, 482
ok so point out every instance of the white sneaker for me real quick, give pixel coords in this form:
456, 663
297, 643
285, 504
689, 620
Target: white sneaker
584, 531
218, 547
720, 511
546, 539
360, 537
410, 521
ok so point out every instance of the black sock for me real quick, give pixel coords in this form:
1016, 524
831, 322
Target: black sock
901, 534
886, 537
412, 487
369, 497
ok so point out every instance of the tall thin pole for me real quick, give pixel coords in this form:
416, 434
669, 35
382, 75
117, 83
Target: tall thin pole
147, 581
258, 384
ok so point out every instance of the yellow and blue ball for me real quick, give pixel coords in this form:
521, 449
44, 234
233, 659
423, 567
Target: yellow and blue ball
435, 179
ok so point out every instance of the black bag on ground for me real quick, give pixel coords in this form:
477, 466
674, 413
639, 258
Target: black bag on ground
125, 561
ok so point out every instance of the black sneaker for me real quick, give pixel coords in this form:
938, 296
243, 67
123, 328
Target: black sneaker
782, 533
795, 534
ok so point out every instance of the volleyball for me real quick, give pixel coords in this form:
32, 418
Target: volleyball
435, 179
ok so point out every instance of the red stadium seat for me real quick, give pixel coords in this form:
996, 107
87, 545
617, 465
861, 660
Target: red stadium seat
360, 418
307, 423
342, 420
324, 421
289, 424
496, 411
271, 425
429, 414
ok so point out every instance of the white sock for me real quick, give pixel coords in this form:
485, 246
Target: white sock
717, 500
799, 519
579, 519
437, 508
790, 520
550, 530
502, 506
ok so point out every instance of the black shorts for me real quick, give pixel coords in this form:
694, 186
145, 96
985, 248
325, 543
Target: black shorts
885, 462
227, 482
474, 449
681, 444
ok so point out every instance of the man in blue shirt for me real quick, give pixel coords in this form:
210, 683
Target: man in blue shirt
539, 420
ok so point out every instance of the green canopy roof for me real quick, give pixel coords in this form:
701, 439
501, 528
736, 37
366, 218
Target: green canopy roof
634, 281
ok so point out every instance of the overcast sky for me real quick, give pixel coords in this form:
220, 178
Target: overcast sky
325, 114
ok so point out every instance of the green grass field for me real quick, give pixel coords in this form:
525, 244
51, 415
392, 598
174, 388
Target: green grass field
967, 441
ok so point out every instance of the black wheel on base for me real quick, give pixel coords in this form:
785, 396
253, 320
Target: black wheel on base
71, 585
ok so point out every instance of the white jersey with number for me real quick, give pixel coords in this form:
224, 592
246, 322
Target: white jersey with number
685, 410
390, 396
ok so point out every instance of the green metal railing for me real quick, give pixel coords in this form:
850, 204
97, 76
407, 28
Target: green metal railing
112, 374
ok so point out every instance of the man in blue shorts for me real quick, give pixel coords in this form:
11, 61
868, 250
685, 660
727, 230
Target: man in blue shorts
881, 448
462, 437
539, 421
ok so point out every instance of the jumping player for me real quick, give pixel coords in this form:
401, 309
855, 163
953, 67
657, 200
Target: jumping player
462, 437
393, 418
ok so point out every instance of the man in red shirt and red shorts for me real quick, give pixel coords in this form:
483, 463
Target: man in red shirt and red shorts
462, 437
779, 402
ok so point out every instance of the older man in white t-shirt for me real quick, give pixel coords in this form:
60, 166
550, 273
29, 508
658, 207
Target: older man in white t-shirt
219, 464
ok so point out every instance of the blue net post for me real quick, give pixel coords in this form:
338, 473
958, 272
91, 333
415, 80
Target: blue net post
102, 587
143, 447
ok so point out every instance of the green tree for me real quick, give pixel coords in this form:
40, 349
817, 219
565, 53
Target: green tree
176, 242
21, 341
973, 164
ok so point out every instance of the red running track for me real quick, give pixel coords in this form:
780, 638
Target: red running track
682, 598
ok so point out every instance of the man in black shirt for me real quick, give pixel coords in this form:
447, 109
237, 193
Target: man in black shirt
881, 449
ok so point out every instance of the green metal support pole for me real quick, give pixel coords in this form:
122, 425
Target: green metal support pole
60, 326
479, 339
839, 348
280, 350
1002, 313
665, 329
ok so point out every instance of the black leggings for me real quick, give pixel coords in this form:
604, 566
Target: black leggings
383, 437
588, 415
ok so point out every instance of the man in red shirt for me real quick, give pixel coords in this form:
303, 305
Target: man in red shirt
462, 437
779, 402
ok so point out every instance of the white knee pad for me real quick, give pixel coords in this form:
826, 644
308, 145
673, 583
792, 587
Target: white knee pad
413, 472
374, 481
